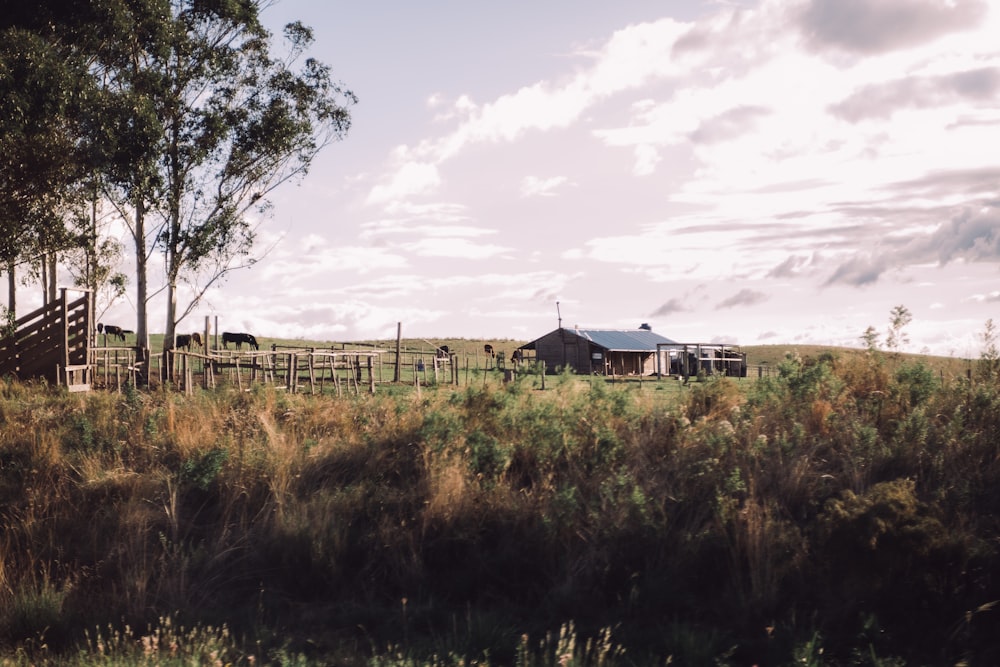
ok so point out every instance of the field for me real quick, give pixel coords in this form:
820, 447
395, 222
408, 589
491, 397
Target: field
840, 511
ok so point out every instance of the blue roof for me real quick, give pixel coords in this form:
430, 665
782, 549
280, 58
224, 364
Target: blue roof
625, 340
618, 340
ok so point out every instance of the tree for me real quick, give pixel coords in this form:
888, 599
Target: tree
989, 360
95, 261
42, 94
202, 122
870, 339
895, 338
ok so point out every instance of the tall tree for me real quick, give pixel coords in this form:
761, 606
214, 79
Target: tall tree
205, 121
42, 94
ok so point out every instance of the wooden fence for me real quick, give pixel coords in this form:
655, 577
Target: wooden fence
51, 343
312, 370
338, 369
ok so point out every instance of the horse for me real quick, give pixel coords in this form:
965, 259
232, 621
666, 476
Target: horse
112, 330
185, 340
488, 349
239, 339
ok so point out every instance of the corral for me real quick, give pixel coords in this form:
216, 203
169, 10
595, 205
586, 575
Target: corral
60, 343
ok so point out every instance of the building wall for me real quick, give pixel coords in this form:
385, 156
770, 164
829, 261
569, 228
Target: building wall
564, 348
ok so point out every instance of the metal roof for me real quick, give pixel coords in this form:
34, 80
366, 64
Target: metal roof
623, 340
619, 340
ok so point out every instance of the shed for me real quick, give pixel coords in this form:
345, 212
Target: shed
602, 351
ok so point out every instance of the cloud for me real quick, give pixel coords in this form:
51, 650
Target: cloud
669, 308
970, 236
533, 186
386, 229
938, 184
630, 58
859, 270
881, 100
745, 297
728, 125
411, 178
323, 258
459, 248
874, 26
989, 297
789, 268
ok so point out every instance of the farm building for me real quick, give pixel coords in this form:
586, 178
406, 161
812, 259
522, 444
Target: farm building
632, 352
601, 351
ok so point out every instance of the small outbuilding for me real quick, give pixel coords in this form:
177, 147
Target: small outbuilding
603, 351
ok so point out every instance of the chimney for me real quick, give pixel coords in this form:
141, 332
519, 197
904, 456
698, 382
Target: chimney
645, 326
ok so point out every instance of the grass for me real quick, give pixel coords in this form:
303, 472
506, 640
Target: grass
841, 511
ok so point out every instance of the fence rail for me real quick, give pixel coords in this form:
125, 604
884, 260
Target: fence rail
51, 343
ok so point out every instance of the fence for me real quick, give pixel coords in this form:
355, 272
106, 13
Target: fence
51, 342
341, 368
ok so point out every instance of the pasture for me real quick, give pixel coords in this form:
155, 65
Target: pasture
842, 511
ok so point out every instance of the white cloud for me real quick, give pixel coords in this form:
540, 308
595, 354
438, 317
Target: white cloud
461, 248
533, 186
323, 258
409, 179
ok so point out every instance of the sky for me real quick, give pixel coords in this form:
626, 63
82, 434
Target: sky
755, 172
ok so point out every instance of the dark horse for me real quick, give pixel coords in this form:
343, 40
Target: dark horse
185, 340
239, 339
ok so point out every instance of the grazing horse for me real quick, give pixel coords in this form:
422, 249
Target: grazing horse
112, 330
488, 349
185, 340
239, 339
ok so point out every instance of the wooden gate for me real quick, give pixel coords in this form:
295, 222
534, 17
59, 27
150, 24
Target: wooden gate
52, 342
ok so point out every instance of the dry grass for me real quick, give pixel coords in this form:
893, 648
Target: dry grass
503, 511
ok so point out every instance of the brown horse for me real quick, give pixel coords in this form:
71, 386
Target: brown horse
185, 340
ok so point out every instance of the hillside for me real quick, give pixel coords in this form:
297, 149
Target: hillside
772, 355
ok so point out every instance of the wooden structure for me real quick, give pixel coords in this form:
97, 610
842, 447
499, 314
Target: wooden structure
53, 343
599, 351
693, 359
633, 352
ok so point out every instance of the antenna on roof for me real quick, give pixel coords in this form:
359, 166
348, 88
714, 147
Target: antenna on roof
559, 314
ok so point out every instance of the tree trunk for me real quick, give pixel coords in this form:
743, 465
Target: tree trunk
43, 267
171, 326
52, 259
141, 291
11, 287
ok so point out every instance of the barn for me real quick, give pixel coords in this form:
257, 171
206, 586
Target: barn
602, 351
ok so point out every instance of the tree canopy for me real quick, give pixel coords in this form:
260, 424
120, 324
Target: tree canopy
194, 113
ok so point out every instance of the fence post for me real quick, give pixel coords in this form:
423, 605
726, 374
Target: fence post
65, 336
399, 334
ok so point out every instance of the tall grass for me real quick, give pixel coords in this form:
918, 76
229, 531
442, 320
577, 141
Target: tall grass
843, 511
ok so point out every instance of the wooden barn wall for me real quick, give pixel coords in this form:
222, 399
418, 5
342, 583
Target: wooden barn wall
568, 349
632, 363
564, 348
